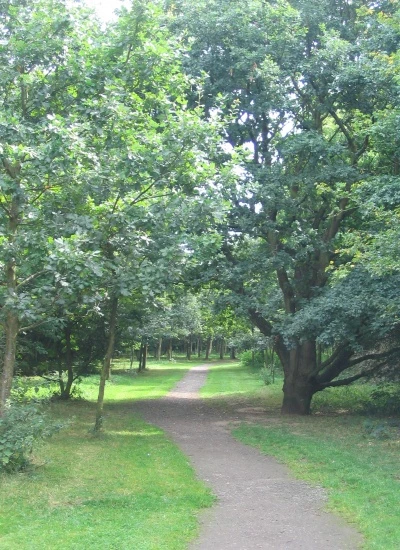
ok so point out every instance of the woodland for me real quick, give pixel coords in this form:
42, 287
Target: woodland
200, 172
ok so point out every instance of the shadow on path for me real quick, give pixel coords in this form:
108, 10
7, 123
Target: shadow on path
259, 504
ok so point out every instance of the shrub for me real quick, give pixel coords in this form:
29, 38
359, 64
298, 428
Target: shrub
255, 361
385, 399
265, 376
20, 428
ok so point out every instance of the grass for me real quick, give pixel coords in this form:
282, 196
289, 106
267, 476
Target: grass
230, 382
126, 385
129, 488
354, 456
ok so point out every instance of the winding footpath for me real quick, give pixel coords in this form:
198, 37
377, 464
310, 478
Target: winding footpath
259, 504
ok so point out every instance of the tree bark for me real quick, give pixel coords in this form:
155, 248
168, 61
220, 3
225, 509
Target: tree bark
299, 385
11, 322
209, 347
144, 356
222, 348
169, 353
159, 349
11, 332
66, 389
106, 364
140, 358
189, 348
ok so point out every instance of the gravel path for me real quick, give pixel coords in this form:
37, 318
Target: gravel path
259, 504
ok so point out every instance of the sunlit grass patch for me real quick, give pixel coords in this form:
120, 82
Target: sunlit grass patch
129, 488
233, 382
355, 457
361, 476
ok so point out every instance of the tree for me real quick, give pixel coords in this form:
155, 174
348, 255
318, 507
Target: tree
40, 147
302, 98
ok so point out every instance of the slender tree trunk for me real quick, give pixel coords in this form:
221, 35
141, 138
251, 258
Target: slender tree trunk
209, 347
66, 392
169, 352
199, 346
222, 349
189, 348
141, 352
106, 364
11, 322
298, 388
159, 349
144, 355
11, 332
233, 352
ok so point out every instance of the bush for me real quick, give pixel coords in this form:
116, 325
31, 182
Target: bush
385, 399
255, 361
265, 376
20, 428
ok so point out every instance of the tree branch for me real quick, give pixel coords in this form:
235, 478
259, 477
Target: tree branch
30, 278
34, 325
373, 356
347, 381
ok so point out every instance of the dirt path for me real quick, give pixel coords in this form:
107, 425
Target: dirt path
259, 504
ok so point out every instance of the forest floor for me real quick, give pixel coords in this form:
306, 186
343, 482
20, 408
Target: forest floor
259, 503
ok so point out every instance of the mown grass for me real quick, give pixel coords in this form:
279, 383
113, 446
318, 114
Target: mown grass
354, 456
231, 381
130, 488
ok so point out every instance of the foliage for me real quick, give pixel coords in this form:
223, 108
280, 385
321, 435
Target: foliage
252, 359
385, 399
266, 376
21, 427
309, 108
149, 499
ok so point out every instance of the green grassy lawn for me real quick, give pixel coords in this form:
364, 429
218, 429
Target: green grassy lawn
231, 383
354, 456
130, 488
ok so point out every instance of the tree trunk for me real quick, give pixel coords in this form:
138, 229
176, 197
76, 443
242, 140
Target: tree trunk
233, 353
144, 355
169, 352
132, 358
159, 349
140, 357
11, 322
222, 349
209, 347
189, 348
66, 390
199, 346
298, 387
11, 332
106, 364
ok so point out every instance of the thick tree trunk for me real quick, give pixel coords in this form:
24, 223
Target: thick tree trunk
106, 364
299, 387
